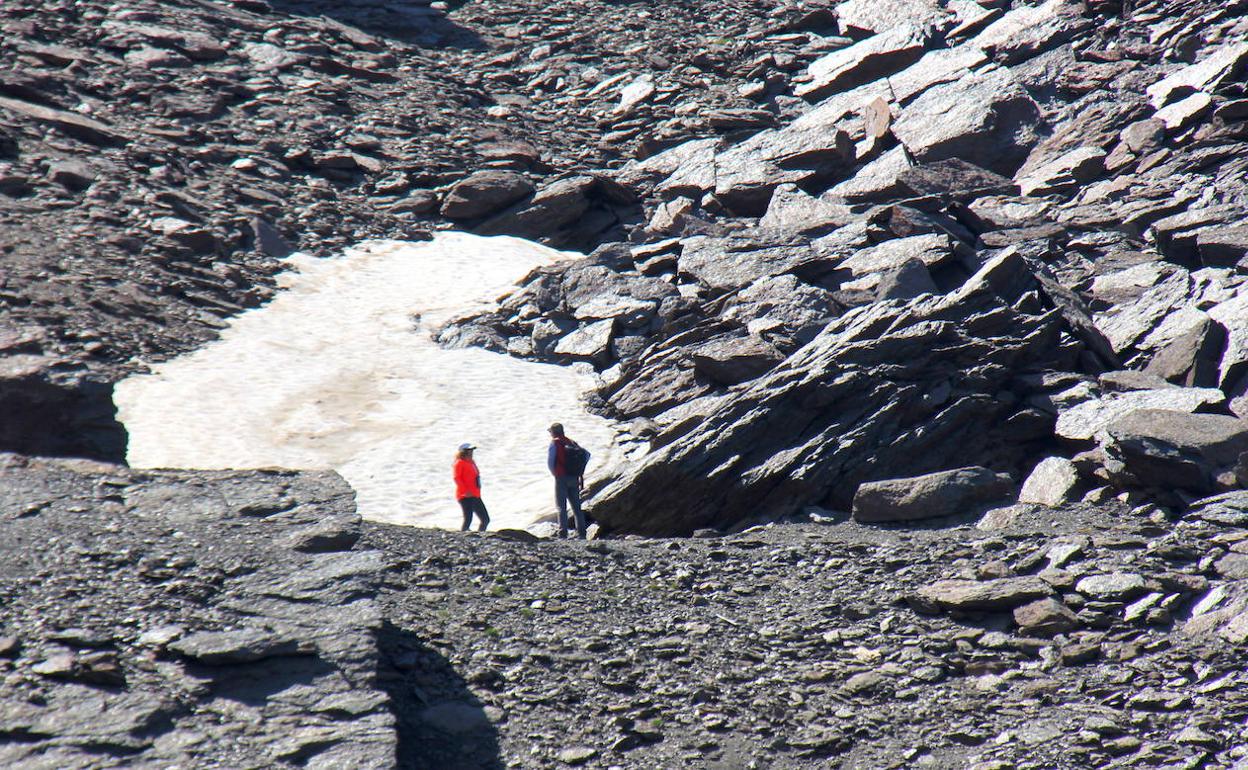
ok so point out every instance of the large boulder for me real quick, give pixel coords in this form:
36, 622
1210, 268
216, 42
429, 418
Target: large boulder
985, 118
932, 495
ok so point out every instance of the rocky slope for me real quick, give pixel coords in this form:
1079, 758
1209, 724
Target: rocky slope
198, 620
795, 317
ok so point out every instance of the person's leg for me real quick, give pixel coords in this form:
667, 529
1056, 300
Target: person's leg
561, 500
466, 506
482, 514
574, 497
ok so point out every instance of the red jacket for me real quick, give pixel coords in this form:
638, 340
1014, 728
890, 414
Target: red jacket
467, 479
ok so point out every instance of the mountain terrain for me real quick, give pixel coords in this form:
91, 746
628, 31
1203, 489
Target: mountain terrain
934, 314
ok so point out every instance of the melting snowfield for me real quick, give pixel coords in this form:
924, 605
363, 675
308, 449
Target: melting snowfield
339, 371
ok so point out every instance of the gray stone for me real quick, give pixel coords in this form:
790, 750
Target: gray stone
1115, 586
1089, 419
972, 595
1205, 75
1166, 448
72, 174
944, 493
793, 210
876, 57
1065, 173
591, 342
1029, 30
985, 118
1045, 617
484, 193
733, 360
219, 648
1052, 482
78, 126
1233, 566
578, 755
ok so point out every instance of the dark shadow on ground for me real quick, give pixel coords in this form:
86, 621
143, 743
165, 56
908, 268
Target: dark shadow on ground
47, 419
410, 21
441, 724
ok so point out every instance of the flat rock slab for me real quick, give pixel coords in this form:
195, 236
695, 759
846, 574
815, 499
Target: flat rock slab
1116, 586
1090, 419
970, 595
218, 648
1217, 440
932, 495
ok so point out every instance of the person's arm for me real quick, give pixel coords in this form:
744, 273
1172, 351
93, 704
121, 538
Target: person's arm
552, 454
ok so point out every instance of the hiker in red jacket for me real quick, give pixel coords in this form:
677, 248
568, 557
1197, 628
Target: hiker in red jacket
468, 488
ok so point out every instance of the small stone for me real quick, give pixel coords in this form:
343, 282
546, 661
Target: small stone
1080, 652
1116, 586
1045, 617
578, 755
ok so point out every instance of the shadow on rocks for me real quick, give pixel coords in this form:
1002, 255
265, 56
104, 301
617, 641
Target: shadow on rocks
441, 724
411, 21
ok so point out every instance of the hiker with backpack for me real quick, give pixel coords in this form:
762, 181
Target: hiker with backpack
468, 488
566, 461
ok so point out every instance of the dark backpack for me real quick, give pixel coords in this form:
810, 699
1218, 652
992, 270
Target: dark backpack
574, 460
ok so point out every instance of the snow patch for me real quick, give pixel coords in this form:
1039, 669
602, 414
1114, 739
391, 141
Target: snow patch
339, 371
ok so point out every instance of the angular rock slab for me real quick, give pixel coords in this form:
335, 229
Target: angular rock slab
932, 495
1052, 482
986, 595
985, 118
1089, 419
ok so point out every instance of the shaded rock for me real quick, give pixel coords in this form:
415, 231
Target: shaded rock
73, 175
932, 495
268, 240
77, 126
1175, 449
456, 717
483, 193
733, 360
1222, 246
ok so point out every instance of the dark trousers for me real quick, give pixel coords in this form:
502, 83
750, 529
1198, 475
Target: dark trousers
473, 505
568, 490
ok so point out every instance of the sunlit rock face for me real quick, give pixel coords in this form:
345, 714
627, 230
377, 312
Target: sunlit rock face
340, 372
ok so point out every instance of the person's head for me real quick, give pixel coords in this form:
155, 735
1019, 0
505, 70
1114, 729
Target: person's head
556, 430
465, 450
